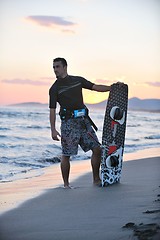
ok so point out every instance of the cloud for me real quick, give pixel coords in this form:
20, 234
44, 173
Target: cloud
103, 81
153, 84
51, 21
25, 82
68, 31
139, 83
48, 78
146, 84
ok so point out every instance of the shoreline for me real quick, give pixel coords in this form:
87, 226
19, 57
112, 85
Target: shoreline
15, 193
128, 210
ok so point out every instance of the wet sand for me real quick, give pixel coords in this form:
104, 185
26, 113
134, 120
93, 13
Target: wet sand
128, 210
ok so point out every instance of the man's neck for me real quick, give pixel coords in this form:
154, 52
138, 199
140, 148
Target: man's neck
64, 76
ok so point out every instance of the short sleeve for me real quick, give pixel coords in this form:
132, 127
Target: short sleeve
53, 96
86, 84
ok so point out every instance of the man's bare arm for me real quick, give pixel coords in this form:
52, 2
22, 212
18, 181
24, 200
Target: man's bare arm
54, 132
101, 88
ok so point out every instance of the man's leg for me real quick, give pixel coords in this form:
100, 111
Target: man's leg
65, 169
95, 162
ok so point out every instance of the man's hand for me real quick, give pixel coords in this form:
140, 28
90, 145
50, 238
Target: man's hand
120, 83
55, 135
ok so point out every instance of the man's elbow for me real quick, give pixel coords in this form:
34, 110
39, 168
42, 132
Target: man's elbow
94, 87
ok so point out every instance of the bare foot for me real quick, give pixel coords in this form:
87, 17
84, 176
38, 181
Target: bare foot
68, 187
97, 183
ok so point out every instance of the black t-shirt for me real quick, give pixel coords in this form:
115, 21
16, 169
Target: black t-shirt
68, 92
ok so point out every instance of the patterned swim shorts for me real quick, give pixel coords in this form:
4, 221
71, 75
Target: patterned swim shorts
74, 132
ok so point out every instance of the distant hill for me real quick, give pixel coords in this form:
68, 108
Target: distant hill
135, 104
144, 104
29, 104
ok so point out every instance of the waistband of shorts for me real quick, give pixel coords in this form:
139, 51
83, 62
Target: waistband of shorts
66, 114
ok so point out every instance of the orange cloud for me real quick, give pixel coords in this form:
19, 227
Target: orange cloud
103, 81
153, 84
52, 21
68, 31
25, 82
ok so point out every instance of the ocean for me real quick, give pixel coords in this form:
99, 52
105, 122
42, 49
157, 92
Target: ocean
26, 147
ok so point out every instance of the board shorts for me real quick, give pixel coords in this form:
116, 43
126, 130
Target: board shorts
74, 132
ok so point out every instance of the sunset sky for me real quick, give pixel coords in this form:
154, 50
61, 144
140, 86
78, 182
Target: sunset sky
104, 41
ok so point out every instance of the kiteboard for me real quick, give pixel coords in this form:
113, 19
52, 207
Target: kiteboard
113, 136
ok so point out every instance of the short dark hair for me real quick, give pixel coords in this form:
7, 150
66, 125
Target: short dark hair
62, 60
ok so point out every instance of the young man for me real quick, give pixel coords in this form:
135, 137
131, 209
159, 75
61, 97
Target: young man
75, 124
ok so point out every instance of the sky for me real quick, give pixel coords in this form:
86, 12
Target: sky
104, 41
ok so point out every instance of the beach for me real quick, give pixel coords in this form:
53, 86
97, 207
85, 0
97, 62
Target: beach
39, 208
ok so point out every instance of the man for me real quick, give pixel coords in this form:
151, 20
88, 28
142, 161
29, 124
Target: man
76, 126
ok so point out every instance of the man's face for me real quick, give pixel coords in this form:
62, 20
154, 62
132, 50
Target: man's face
59, 70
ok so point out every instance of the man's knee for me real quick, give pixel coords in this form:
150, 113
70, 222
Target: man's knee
65, 158
97, 151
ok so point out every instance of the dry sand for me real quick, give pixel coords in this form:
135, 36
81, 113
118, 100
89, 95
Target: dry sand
129, 210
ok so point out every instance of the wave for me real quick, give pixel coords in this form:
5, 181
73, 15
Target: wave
35, 127
4, 129
133, 125
4, 159
10, 114
51, 160
14, 117
24, 174
135, 147
3, 136
18, 169
80, 157
14, 138
9, 146
152, 137
28, 165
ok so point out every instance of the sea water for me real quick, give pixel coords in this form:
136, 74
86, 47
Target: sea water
26, 144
